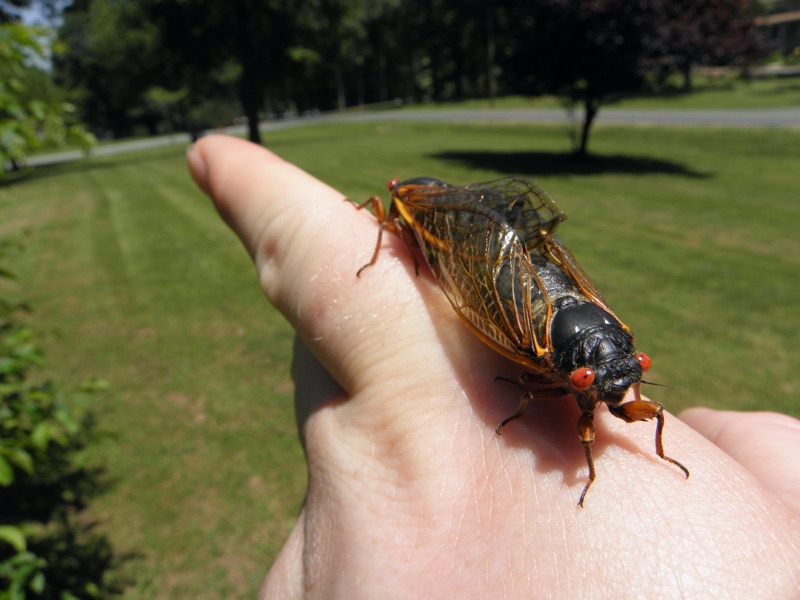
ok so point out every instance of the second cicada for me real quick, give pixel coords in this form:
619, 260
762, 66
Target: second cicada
492, 248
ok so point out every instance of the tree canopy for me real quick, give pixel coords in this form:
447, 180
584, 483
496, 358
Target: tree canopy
33, 111
216, 59
585, 51
712, 32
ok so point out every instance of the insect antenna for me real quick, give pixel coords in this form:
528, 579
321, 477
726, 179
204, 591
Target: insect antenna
655, 384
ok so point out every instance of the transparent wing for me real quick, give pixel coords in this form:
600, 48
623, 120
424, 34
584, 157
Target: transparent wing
493, 286
516, 202
526, 207
481, 261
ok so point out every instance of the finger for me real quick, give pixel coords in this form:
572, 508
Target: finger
314, 386
308, 243
251, 186
285, 577
765, 443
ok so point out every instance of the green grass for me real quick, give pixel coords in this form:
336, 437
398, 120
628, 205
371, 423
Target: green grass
690, 233
727, 93
135, 280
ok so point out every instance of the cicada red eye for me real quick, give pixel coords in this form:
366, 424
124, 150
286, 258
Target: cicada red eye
644, 361
392, 184
581, 379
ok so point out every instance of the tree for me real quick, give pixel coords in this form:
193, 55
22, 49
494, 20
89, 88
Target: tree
591, 52
712, 32
334, 29
199, 38
33, 112
314, 54
111, 61
133, 58
586, 51
342, 51
128, 58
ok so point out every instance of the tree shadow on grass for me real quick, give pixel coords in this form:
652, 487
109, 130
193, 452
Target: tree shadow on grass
559, 163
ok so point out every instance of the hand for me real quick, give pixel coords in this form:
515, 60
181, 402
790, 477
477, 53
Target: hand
411, 494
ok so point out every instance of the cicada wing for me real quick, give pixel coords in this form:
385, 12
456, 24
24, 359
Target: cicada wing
526, 207
480, 241
485, 271
519, 203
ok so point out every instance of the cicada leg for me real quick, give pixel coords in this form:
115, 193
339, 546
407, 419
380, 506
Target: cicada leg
544, 377
523, 402
526, 379
644, 410
586, 435
380, 214
387, 221
375, 204
517, 382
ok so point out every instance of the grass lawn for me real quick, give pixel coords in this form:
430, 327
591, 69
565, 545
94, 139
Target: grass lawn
730, 92
690, 233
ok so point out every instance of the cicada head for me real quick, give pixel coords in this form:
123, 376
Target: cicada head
594, 353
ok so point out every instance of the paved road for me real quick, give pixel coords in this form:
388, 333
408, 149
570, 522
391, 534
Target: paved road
776, 117
106, 150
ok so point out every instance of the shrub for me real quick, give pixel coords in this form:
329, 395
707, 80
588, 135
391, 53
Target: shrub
47, 549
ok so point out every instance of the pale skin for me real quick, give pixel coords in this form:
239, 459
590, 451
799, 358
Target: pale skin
412, 494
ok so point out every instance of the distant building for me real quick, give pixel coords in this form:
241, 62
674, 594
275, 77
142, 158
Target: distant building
781, 31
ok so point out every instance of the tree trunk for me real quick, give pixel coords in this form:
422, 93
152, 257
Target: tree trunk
491, 80
341, 99
250, 97
251, 83
383, 88
686, 70
591, 108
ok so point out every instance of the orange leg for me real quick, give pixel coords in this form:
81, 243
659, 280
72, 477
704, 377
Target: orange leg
586, 435
380, 214
375, 204
644, 410
387, 221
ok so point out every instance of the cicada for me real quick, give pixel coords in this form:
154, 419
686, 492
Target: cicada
492, 247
